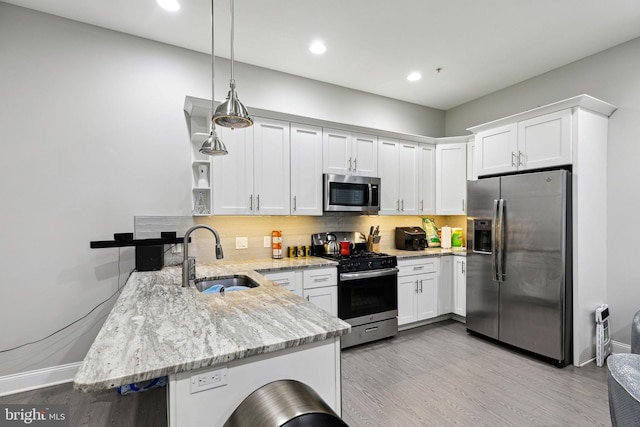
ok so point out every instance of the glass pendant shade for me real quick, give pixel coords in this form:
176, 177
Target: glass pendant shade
213, 146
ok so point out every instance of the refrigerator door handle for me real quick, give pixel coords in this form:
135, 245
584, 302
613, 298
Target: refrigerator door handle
500, 232
494, 242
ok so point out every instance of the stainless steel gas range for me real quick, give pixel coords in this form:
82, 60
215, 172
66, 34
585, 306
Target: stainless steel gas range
367, 287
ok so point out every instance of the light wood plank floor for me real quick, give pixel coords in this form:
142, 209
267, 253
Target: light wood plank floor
435, 375
438, 375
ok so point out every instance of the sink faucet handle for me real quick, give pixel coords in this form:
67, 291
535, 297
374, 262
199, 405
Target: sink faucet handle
192, 268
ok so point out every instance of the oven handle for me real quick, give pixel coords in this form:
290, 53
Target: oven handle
344, 277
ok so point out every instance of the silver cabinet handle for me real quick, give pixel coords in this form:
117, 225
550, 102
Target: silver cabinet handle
349, 163
402, 205
416, 286
251, 202
398, 204
421, 205
372, 329
294, 203
355, 164
520, 155
513, 159
308, 298
322, 279
420, 285
463, 268
418, 267
463, 205
258, 202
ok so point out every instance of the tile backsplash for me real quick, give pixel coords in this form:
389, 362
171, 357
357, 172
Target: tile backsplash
295, 231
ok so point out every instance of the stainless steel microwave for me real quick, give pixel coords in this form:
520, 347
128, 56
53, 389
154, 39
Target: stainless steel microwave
345, 193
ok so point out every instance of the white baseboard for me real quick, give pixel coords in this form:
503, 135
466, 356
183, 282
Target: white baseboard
619, 347
32, 380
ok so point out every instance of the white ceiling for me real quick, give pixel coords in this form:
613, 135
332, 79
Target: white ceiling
480, 46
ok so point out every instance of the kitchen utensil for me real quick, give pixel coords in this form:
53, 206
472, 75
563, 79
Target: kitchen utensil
330, 245
345, 248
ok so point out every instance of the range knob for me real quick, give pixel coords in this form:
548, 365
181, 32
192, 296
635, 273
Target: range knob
370, 264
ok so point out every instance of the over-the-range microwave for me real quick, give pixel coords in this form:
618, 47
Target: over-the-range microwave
346, 193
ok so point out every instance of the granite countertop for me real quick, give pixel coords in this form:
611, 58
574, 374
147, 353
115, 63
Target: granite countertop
158, 328
429, 252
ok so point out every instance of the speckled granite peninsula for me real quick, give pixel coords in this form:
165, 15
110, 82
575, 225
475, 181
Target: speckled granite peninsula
158, 328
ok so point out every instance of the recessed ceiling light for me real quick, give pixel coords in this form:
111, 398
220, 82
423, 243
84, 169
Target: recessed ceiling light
414, 77
318, 48
170, 5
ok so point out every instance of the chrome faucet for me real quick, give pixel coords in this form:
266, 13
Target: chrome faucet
189, 263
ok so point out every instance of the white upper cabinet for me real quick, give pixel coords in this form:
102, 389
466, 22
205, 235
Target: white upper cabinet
496, 150
451, 179
253, 179
426, 179
306, 170
545, 141
271, 163
538, 142
346, 153
398, 168
232, 175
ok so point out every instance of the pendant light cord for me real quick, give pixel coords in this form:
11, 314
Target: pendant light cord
213, 69
233, 82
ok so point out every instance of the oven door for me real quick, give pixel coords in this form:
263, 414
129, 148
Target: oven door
368, 296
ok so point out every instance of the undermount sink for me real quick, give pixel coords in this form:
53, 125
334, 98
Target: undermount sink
224, 284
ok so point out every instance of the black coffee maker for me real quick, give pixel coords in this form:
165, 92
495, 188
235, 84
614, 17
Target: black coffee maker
411, 238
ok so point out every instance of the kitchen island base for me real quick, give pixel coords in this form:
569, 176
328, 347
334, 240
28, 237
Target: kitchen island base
316, 364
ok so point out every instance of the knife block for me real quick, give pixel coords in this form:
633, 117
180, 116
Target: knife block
372, 246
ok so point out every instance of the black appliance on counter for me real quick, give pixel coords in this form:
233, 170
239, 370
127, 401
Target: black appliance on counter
367, 289
411, 238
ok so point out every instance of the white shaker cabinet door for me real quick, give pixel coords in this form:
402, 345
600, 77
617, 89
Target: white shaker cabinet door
407, 297
407, 171
326, 298
232, 175
496, 150
451, 179
271, 162
545, 141
336, 152
364, 155
306, 170
427, 179
389, 178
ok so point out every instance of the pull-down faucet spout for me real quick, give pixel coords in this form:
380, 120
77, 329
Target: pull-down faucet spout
189, 270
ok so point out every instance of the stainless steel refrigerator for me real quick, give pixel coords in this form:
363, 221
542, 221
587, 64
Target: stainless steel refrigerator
519, 273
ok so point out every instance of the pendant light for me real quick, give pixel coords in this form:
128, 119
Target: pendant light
231, 113
213, 146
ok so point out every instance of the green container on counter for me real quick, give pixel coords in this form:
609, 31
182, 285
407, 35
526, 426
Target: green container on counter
456, 237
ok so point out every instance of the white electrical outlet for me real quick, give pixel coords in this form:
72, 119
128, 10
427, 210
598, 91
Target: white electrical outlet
242, 242
209, 380
177, 248
267, 241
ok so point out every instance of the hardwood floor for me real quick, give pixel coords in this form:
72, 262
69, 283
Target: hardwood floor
438, 375
435, 375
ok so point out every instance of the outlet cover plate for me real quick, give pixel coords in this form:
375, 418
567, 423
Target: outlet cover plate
242, 242
267, 241
208, 380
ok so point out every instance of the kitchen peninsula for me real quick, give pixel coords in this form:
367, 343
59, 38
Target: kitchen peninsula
242, 339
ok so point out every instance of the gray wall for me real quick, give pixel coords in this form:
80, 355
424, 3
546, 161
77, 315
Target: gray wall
612, 76
92, 133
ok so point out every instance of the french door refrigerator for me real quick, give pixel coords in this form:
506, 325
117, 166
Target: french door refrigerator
519, 273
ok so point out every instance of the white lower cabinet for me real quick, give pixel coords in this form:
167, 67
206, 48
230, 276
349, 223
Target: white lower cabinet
317, 285
445, 290
290, 279
417, 289
320, 287
460, 285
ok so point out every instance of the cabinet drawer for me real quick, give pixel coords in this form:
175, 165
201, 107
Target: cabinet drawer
418, 265
320, 277
285, 279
